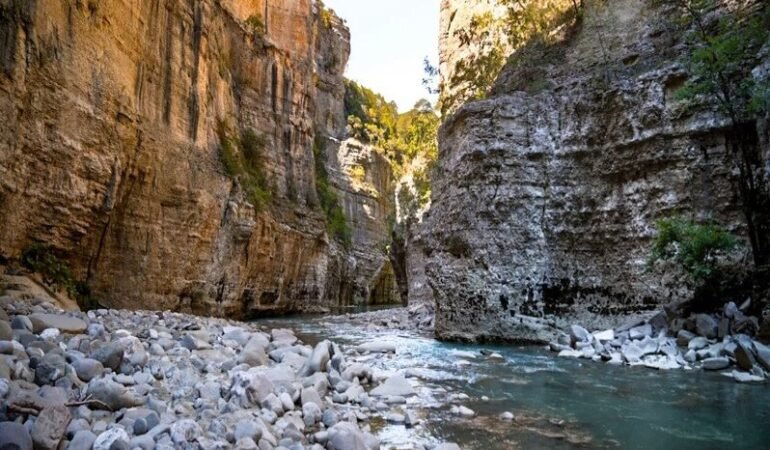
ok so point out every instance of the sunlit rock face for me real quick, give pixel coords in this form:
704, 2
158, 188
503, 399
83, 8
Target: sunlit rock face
109, 151
545, 200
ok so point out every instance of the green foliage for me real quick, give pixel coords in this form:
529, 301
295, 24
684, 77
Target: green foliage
721, 55
256, 25
694, 247
243, 160
492, 39
326, 15
371, 118
336, 222
57, 273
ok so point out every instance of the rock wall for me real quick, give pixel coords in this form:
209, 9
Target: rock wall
545, 199
109, 151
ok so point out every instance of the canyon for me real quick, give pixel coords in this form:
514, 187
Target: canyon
116, 115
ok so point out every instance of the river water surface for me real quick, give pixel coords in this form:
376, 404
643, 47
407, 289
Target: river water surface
558, 403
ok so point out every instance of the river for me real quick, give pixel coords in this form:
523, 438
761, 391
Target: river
558, 403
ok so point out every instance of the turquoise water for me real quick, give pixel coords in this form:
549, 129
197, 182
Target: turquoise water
558, 403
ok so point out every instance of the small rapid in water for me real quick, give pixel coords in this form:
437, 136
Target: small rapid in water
558, 403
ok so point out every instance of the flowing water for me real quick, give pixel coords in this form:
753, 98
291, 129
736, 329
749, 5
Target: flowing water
558, 403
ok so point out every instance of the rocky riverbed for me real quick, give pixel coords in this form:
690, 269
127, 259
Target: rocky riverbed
120, 379
715, 342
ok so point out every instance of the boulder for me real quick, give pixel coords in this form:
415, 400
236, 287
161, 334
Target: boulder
112, 439
579, 334
397, 385
743, 377
718, 363
250, 388
347, 436
683, 338
63, 323
6, 332
14, 436
110, 355
113, 395
318, 360
377, 347
604, 336
763, 355
640, 332
83, 440
706, 326
743, 356
50, 426
698, 343
87, 369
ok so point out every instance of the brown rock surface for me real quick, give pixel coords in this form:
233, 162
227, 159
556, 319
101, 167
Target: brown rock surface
109, 151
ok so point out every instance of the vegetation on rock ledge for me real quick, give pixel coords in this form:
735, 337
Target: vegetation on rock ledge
56, 273
243, 161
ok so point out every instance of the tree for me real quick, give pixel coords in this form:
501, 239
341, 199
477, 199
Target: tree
724, 43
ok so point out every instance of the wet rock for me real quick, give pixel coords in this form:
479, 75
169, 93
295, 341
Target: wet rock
763, 355
14, 436
718, 363
604, 336
111, 356
683, 338
579, 334
377, 347
706, 326
462, 411
507, 416
743, 356
698, 343
449, 446
396, 385
640, 332
50, 426
743, 377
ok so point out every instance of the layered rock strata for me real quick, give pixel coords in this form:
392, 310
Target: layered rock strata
546, 196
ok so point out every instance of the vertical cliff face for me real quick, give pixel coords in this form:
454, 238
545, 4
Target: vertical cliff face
545, 199
110, 153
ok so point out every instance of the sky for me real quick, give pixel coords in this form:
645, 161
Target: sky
389, 41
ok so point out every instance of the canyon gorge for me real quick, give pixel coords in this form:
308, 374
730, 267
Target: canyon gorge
211, 237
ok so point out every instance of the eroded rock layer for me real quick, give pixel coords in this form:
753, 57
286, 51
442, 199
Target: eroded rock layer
109, 150
545, 200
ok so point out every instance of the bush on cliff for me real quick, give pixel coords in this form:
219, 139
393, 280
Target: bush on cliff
56, 273
243, 161
695, 248
336, 223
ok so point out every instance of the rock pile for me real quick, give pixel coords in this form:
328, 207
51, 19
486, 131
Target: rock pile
719, 342
420, 317
143, 380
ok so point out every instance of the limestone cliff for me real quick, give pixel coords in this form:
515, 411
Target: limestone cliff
546, 194
109, 150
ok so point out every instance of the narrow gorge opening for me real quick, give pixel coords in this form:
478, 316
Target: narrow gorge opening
344, 224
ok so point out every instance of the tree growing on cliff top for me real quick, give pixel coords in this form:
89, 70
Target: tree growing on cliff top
492, 38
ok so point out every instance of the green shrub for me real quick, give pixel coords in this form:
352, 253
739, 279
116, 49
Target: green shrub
57, 274
243, 160
336, 222
256, 25
694, 247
